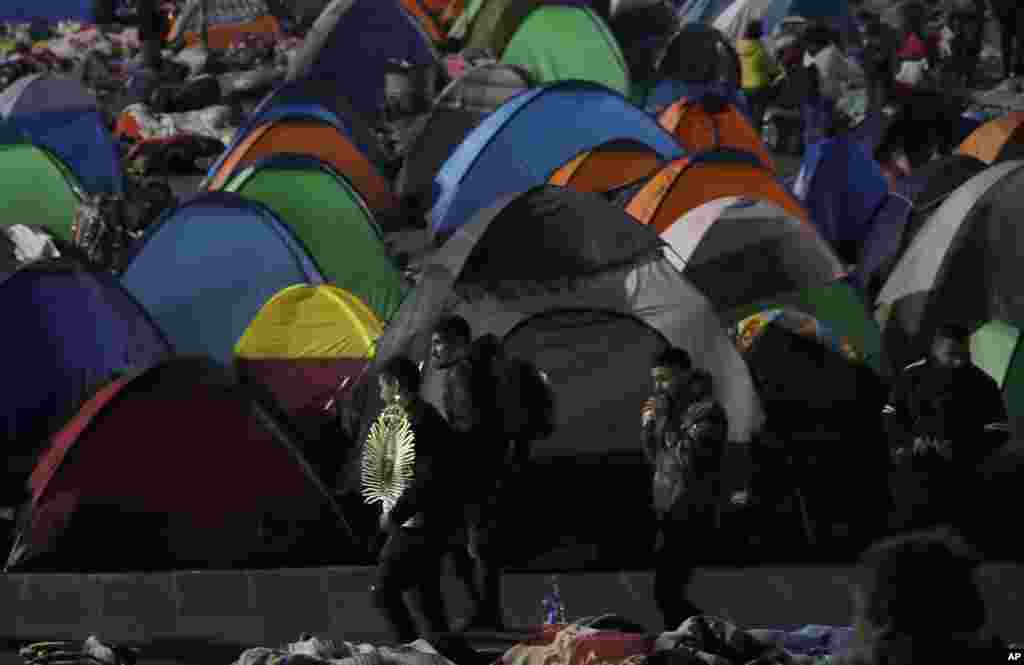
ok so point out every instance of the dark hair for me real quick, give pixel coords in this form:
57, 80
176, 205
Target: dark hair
956, 332
754, 30
900, 575
914, 17
453, 327
672, 357
403, 370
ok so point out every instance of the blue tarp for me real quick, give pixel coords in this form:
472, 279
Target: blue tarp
207, 267
701, 11
50, 11
835, 12
356, 53
842, 188
668, 91
521, 144
66, 331
61, 115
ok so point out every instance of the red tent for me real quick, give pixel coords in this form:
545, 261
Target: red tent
177, 467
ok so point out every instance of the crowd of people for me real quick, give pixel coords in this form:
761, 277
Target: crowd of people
943, 418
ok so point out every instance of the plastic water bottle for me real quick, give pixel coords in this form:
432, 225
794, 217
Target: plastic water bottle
554, 608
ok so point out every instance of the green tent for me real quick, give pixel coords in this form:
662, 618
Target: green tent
490, 25
841, 307
331, 219
558, 43
37, 189
995, 349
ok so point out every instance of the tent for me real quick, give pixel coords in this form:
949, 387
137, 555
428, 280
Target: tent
331, 219
995, 348
828, 406
735, 18
699, 54
51, 11
690, 182
315, 138
63, 116
314, 98
539, 46
997, 140
713, 123
503, 156
430, 20
906, 208
491, 24
68, 328
740, 251
228, 21
843, 189
701, 11
215, 481
460, 107
351, 43
960, 266
37, 188
613, 165
304, 344
573, 285
205, 269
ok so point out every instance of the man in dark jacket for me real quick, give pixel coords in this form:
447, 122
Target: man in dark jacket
940, 420
1010, 14
683, 435
422, 522
471, 408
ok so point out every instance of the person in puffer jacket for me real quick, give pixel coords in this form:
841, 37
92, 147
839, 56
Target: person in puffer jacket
758, 70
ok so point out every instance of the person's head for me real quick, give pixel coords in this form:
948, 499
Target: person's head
754, 30
897, 582
951, 346
816, 37
399, 380
450, 338
670, 371
913, 16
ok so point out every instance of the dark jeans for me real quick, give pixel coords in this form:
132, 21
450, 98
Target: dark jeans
1011, 32
411, 561
758, 101
683, 544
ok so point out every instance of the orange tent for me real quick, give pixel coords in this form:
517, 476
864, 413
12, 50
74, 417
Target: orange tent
997, 140
222, 36
610, 166
428, 17
690, 182
700, 128
315, 139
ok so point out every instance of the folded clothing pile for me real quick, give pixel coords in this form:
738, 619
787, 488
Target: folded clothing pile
90, 652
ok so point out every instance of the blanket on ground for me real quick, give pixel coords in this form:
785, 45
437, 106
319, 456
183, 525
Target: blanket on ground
314, 651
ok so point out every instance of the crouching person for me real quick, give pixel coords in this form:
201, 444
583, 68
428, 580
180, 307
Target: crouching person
420, 525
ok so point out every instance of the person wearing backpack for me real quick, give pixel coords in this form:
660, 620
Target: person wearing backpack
683, 434
497, 406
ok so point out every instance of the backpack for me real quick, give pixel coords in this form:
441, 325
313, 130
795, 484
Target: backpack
522, 393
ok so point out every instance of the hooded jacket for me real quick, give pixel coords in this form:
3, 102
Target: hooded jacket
757, 67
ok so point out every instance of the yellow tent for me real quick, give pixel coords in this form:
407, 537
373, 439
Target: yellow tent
305, 342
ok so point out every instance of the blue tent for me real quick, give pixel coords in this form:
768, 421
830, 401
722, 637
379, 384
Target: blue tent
307, 98
51, 11
66, 329
206, 268
351, 44
842, 188
521, 144
62, 115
